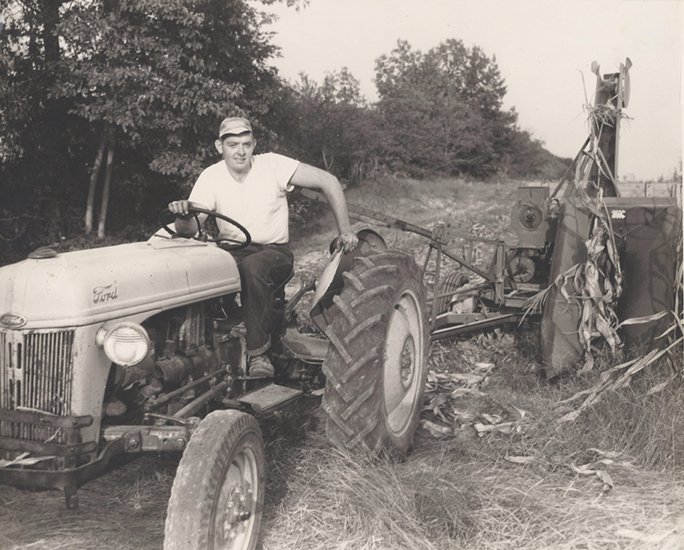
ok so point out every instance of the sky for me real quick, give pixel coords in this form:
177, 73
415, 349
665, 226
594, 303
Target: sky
543, 48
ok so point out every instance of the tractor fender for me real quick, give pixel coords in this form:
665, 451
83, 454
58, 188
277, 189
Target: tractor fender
370, 242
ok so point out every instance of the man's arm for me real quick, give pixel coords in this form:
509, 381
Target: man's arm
310, 177
185, 223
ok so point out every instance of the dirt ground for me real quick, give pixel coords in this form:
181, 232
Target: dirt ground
125, 509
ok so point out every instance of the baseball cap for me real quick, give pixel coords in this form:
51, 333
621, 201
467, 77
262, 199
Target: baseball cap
234, 126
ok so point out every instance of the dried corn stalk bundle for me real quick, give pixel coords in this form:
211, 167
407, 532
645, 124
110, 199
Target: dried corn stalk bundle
594, 285
598, 282
605, 112
620, 375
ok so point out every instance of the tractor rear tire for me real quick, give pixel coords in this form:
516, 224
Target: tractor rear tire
376, 366
218, 494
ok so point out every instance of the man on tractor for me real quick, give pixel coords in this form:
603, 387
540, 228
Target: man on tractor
252, 190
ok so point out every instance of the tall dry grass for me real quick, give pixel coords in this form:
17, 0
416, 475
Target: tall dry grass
611, 479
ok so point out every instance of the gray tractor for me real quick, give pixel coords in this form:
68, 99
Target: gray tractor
140, 348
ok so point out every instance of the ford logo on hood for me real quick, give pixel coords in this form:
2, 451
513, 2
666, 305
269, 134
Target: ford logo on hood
12, 320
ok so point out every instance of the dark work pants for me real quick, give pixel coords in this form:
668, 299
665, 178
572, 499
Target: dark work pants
263, 268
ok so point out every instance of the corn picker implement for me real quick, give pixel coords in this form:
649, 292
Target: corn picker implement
585, 258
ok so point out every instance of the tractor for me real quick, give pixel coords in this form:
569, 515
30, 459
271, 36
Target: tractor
139, 348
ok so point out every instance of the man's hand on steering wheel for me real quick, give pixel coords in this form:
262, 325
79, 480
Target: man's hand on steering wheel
188, 224
180, 208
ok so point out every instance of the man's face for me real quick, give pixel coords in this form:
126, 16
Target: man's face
237, 152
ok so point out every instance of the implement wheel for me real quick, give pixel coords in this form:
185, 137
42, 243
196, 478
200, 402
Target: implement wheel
376, 365
218, 493
452, 282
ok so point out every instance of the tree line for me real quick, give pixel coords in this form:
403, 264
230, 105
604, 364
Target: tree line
110, 107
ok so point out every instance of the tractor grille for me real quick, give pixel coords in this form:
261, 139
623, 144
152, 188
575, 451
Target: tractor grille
36, 371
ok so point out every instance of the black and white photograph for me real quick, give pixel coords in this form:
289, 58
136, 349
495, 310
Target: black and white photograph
341, 275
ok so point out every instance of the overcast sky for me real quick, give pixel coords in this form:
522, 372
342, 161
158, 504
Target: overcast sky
542, 48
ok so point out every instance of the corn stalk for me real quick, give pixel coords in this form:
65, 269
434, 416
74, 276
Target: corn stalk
595, 285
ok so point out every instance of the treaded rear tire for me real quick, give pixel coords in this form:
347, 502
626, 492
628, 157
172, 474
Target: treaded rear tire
223, 461
376, 366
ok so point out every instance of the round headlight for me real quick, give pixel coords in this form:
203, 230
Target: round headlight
126, 344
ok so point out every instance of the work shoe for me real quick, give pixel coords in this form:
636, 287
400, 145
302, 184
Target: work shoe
260, 367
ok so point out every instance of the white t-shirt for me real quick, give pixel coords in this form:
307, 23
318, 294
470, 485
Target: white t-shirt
259, 203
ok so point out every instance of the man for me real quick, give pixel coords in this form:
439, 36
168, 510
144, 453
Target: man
252, 190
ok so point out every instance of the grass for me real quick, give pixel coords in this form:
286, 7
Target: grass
467, 491
611, 479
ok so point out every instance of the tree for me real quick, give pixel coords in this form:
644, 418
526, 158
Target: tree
524, 156
152, 75
37, 135
444, 108
328, 125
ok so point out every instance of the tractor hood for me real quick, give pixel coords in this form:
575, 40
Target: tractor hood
89, 286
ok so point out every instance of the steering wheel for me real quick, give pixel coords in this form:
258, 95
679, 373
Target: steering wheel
203, 236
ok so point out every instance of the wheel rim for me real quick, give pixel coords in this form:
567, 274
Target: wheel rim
236, 508
403, 363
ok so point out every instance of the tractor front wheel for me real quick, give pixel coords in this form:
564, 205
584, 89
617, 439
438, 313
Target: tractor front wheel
218, 493
376, 365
